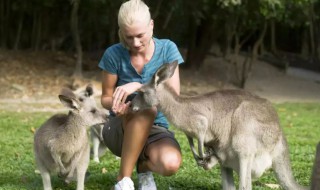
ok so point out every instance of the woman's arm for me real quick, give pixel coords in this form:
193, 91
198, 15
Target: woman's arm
113, 98
108, 85
174, 81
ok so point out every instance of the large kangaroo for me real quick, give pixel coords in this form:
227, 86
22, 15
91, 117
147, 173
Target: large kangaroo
61, 144
240, 131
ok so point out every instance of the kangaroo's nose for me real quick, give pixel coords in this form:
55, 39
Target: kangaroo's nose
135, 108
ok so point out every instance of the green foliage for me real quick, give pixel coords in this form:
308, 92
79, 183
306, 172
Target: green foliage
300, 123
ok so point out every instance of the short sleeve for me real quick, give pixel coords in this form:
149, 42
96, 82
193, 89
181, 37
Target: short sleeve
173, 53
108, 61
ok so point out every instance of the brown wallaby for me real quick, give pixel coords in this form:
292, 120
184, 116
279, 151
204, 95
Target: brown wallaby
61, 144
240, 131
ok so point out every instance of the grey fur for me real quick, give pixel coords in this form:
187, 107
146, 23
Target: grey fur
315, 177
234, 128
61, 144
98, 146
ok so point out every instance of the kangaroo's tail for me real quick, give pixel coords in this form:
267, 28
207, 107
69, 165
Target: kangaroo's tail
282, 167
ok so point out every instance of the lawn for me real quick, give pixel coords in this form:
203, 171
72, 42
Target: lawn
300, 122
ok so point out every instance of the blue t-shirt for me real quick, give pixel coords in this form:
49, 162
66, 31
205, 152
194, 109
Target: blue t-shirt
116, 60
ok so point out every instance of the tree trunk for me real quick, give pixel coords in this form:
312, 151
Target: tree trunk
311, 30
35, 19
76, 38
247, 67
305, 44
157, 9
239, 68
273, 36
38, 32
168, 18
4, 16
113, 23
199, 43
20, 25
229, 34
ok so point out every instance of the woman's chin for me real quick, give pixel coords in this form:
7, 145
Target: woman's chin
137, 49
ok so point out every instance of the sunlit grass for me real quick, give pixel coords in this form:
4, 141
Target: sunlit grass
300, 123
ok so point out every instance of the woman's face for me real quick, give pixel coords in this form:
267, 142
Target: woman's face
138, 35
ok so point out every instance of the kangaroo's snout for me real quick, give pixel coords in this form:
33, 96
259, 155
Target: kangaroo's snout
133, 108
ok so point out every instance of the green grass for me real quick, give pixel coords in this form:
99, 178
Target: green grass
300, 122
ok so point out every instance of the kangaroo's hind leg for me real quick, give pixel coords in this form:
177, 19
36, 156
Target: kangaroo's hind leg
245, 172
227, 179
82, 167
46, 180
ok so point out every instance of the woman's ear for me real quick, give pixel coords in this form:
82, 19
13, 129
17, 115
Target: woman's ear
151, 24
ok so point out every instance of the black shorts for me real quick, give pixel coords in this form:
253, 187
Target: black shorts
113, 136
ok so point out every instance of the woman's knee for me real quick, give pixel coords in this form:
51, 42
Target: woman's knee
171, 163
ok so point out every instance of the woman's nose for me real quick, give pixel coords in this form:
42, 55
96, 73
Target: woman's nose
136, 42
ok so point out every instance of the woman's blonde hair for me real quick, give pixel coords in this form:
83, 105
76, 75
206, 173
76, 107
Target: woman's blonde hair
130, 12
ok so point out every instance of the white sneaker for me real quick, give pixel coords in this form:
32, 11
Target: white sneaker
146, 181
125, 184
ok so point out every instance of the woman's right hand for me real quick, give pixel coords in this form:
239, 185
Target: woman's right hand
120, 95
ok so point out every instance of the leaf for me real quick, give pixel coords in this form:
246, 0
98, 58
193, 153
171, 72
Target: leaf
273, 186
33, 130
104, 170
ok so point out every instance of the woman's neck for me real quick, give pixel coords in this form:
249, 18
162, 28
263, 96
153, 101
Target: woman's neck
147, 53
139, 59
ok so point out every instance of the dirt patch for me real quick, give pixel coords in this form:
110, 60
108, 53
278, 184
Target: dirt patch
31, 81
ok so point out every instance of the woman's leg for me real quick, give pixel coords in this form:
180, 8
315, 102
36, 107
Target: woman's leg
164, 157
136, 131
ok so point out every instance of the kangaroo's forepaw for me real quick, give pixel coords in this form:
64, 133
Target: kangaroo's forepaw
207, 162
202, 163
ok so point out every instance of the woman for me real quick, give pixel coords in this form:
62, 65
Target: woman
142, 138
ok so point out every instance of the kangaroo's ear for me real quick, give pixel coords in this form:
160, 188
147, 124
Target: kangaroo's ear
69, 99
164, 72
69, 102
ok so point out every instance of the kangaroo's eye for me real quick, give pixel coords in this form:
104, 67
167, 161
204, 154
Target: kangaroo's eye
81, 99
93, 111
141, 93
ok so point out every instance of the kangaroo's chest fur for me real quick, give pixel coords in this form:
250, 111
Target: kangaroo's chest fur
64, 144
68, 144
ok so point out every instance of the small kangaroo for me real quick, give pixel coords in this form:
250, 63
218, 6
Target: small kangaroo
98, 147
240, 131
61, 144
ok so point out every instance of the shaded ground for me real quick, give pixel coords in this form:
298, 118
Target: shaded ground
31, 81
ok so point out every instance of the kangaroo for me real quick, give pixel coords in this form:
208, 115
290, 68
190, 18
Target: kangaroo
234, 128
315, 177
98, 146
61, 144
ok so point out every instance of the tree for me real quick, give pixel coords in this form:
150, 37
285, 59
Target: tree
76, 37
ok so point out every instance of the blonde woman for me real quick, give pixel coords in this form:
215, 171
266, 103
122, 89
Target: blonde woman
141, 139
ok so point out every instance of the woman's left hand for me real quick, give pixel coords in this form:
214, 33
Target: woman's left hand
121, 93
122, 109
